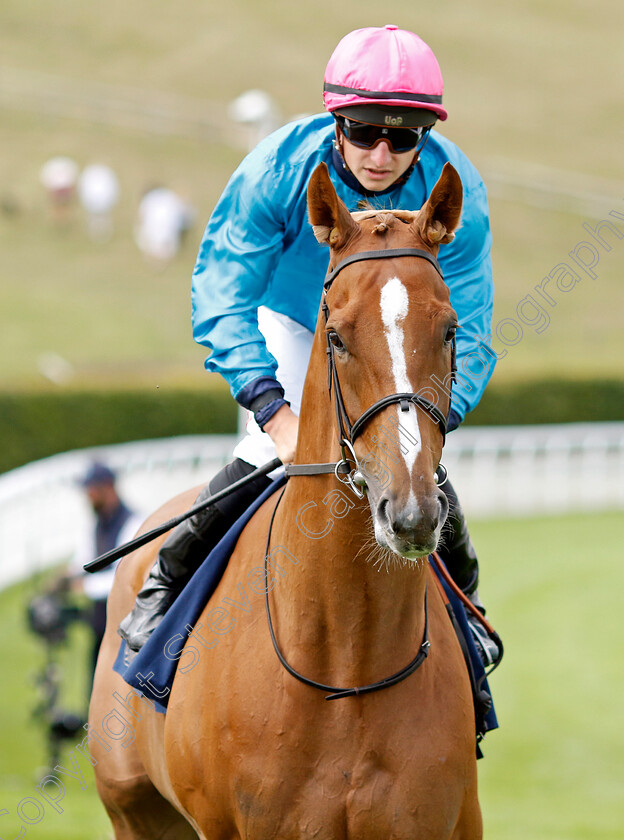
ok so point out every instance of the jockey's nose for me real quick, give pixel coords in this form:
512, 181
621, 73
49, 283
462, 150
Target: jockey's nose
381, 154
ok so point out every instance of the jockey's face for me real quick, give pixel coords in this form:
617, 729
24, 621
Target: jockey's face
378, 168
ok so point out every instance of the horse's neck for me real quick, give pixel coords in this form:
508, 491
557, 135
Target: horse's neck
335, 599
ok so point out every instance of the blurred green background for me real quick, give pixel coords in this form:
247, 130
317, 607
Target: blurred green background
534, 92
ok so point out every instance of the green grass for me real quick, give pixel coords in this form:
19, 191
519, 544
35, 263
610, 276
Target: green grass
553, 771
24, 753
531, 83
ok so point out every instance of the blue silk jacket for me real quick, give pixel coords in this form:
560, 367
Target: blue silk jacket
258, 249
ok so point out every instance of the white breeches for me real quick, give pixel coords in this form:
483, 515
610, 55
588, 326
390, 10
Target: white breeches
291, 345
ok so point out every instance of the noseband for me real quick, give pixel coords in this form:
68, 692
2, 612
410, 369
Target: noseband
347, 431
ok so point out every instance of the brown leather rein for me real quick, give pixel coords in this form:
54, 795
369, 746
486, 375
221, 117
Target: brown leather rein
335, 692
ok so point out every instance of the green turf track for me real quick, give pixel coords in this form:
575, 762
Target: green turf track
553, 771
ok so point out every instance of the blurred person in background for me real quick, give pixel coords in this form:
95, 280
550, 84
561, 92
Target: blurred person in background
259, 276
58, 177
115, 523
257, 112
163, 220
98, 191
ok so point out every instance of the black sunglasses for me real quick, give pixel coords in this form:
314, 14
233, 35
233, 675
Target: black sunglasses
368, 136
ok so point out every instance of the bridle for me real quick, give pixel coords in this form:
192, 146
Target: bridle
347, 434
348, 431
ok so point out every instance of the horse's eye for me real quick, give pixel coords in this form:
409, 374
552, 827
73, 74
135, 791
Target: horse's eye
450, 333
336, 341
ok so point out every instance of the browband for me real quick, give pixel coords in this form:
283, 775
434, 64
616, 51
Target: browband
377, 255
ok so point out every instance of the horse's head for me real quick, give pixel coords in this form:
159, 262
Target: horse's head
390, 329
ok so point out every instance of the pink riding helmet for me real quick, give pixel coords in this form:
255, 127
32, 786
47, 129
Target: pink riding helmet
384, 66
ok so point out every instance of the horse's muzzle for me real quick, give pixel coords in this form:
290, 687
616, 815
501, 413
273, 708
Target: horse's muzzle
411, 529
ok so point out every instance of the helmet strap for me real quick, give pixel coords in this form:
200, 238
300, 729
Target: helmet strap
405, 176
338, 142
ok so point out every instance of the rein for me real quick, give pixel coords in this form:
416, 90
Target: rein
336, 692
109, 557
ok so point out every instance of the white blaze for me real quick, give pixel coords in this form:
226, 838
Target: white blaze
394, 308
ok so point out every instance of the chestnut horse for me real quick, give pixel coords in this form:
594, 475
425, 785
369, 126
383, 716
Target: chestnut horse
249, 746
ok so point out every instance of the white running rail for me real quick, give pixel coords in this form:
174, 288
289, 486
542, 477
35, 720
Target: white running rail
44, 513
497, 472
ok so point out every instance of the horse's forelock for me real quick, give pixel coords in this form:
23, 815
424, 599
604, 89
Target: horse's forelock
384, 217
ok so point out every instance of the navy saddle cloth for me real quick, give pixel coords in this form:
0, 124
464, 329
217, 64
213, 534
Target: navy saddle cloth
152, 670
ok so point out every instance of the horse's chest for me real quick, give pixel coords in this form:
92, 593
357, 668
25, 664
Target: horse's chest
343, 785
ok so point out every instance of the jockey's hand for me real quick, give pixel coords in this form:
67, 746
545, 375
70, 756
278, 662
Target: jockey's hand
282, 429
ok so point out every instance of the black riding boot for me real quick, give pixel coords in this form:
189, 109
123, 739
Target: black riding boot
460, 558
185, 549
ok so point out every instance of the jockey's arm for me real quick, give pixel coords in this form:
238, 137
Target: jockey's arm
467, 267
282, 429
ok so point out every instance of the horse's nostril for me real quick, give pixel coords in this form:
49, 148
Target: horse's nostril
382, 512
443, 503
431, 519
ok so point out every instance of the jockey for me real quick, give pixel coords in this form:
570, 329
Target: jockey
259, 276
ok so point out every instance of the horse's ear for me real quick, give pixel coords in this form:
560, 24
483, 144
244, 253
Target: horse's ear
331, 221
439, 216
